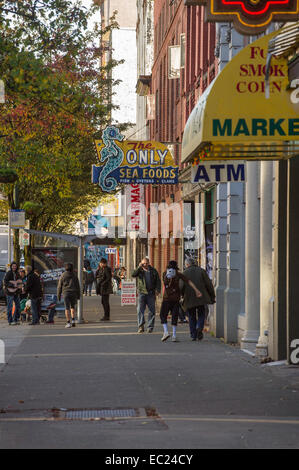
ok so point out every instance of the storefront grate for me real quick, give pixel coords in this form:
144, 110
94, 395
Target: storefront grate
98, 414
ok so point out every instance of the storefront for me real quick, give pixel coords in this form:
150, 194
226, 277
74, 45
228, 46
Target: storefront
234, 126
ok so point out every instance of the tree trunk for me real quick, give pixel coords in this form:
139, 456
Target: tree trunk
16, 246
28, 252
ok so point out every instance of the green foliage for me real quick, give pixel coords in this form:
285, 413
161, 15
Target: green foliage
7, 175
57, 102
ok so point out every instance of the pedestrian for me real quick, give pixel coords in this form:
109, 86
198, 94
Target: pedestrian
88, 280
23, 279
171, 297
116, 276
33, 289
12, 284
23, 295
69, 287
122, 275
104, 286
148, 287
196, 306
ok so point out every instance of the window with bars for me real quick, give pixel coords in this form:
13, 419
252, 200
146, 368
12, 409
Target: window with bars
157, 110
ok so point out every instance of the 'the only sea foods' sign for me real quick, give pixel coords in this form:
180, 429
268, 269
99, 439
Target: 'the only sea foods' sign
131, 162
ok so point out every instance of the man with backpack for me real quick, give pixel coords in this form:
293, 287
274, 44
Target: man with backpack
69, 286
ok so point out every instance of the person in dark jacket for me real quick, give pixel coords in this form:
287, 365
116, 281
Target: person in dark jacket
148, 286
171, 297
104, 286
33, 289
69, 287
12, 287
88, 279
196, 306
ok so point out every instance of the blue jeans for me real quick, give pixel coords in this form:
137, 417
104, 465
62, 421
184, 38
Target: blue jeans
87, 287
35, 310
196, 319
10, 300
143, 301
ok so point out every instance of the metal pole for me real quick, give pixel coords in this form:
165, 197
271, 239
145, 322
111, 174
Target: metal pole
9, 239
80, 277
292, 262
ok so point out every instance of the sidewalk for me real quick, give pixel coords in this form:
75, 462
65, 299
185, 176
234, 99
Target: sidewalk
102, 385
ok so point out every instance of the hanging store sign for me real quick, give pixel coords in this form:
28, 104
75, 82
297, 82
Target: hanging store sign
110, 251
249, 16
233, 119
135, 208
218, 172
131, 162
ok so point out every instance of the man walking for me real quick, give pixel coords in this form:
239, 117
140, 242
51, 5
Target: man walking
148, 286
33, 288
104, 286
69, 286
195, 306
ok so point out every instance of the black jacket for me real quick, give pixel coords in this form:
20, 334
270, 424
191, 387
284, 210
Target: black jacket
104, 281
33, 286
10, 276
141, 284
68, 284
203, 283
88, 276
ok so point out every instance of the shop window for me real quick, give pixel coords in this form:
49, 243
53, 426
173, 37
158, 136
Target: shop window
183, 49
209, 206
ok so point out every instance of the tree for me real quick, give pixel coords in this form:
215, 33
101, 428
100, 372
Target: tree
57, 102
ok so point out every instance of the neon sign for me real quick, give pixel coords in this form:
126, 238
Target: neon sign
249, 16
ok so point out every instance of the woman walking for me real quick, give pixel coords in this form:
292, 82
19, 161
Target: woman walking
171, 298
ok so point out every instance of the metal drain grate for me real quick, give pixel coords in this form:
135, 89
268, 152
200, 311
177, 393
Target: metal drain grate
94, 414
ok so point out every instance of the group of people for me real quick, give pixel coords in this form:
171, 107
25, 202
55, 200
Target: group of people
89, 277
21, 285
69, 287
192, 290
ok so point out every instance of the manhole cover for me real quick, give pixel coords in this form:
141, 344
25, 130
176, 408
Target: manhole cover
94, 414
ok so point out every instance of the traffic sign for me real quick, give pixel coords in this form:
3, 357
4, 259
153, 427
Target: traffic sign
24, 238
16, 218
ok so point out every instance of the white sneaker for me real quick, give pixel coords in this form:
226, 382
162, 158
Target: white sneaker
73, 323
165, 337
68, 325
174, 339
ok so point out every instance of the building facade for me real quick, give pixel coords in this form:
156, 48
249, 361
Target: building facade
238, 225
184, 65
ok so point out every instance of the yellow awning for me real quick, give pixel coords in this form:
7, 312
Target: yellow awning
234, 120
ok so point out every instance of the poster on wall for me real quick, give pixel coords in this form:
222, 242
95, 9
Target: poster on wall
50, 262
94, 254
209, 249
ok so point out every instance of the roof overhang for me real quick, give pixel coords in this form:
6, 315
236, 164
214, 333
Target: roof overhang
234, 120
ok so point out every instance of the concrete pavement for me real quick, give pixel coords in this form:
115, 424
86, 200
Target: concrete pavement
140, 393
